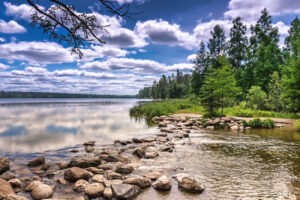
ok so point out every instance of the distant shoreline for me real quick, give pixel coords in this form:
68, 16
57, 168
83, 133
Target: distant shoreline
47, 95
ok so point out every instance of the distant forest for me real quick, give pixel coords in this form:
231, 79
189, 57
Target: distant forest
8, 94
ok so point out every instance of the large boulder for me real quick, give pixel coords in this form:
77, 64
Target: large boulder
4, 165
42, 191
162, 184
85, 161
75, 173
94, 190
188, 184
36, 162
125, 191
5, 189
140, 181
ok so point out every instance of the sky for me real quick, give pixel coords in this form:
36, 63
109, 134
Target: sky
163, 37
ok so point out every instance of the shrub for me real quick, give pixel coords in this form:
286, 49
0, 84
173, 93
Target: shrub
256, 98
245, 123
255, 123
268, 123
258, 123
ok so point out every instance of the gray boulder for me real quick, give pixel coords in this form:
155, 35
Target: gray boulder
125, 191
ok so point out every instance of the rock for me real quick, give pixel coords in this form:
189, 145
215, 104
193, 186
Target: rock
62, 181
213, 122
137, 140
108, 183
4, 165
151, 154
62, 165
124, 169
107, 194
42, 191
94, 190
15, 183
36, 162
163, 184
108, 157
149, 139
89, 149
234, 127
186, 135
140, 181
95, 170
32, 185
74, 151
226, 119
15, 197
188, 184
113, 175
153, 175
125, 191
7, 176
5, 189
85, 161
166, 130
80, 185
162, 134
73, 174
210, 127
89, 143
162, 124
107, 166
98, 178
140, 152
166, 148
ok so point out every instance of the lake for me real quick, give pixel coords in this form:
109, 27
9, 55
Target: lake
257, 164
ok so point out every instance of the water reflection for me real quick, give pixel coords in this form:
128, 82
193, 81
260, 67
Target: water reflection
52, 124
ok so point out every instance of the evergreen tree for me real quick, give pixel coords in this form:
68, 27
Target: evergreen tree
275, 99
216, 45
292, 41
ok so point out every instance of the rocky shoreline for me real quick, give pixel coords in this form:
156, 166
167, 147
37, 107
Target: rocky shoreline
110, 172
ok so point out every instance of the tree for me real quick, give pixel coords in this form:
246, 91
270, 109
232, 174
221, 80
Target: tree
237, 48
62, 22
292, 41
256, 98
216, 45
275, 98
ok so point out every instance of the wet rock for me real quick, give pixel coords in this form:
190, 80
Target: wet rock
151, 154
153, 175
234, 127
85, 161
73, 174
137, 140
162, 124
149, 139
15, 197
42, 191
7, 176
108, 157
80, 185
166, 148
124, 160
140, 152
113, 175
4, 165
124, 169
188, 184
163, 184
89, 149
5, 189
107, 166
94, 190
210, 127
140, 181
62, 165
108, 183
95, 170
107, 194
186, 135
74, 151
15, 183
62, 181
36, 162
32, 185
98, 178
166, 130
162, 134
125, 191
89, 143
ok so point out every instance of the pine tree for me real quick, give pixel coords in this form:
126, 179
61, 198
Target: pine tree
292, 41
216, 45
275, 99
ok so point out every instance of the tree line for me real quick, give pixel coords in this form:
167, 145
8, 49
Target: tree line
241, 70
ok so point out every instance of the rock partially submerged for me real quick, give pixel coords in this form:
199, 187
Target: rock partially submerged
80, 185
5, 189
42, 191
75, 173
85, 161
140, 181
125, 191
162, 184
36, 162
94, 190
4, 165
188, 184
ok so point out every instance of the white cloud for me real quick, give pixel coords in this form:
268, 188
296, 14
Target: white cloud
138, 66
2, 39
162, 32
191, 58
249, 10
22, 11
11, 27
3, 67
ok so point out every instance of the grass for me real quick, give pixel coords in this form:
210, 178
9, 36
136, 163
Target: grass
169, 107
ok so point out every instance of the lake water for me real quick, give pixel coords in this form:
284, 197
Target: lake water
257, 164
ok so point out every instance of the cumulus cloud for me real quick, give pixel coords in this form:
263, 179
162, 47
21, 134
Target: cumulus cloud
135, 66
11, 27
3, 67
249, 10
162, 32
22, 11
191, 58
43, 53
2, 39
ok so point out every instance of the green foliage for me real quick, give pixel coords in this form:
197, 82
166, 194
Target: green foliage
256, 98
255, 123
297, 125
275, 100
268, 123
258, 123
216, 45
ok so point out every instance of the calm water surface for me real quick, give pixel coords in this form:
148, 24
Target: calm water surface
258, 164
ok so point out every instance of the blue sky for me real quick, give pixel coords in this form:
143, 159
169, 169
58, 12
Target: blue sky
161, 39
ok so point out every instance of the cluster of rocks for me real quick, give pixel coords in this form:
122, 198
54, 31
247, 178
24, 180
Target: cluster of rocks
107, 173
173, 123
